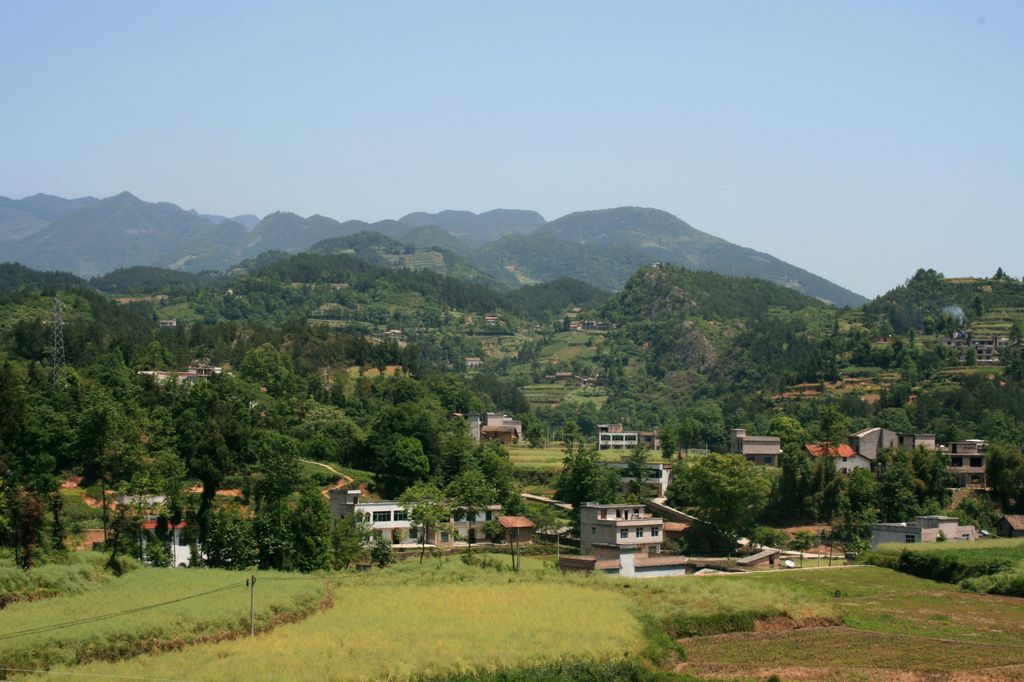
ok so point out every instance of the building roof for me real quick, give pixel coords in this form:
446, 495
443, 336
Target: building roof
674, 526
1016, 521
842, 450
150, 524
502, 428
515, 522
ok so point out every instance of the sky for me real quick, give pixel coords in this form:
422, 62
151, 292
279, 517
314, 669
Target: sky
858, 140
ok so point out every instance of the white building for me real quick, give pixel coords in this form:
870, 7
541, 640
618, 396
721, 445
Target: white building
390, 520
658, 479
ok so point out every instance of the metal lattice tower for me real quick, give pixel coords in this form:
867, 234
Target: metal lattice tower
57, 358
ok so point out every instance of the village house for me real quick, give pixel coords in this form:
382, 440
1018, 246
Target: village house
624, 540
987, 347
922, 529
518, 529
756, 449
389, 520
967, 462
1010, 526
178, 546
657, 480
472, 362
168, 324
493, 426
614, 437
847, 459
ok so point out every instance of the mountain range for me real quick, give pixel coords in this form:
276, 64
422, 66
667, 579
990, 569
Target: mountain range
508, 247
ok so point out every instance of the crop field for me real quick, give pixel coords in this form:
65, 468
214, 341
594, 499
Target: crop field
409, 622
550, 459
896, 627
34, 636
17, 584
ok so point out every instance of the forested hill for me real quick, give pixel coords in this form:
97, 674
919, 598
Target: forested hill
664, 291
929, 301
663, 237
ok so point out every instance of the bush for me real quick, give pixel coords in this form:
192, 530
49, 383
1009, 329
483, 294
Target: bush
382, 553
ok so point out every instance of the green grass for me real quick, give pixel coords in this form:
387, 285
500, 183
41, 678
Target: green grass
215, 615
51, 580
550, 458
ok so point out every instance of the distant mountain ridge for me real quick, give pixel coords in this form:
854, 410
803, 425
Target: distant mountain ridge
509, 247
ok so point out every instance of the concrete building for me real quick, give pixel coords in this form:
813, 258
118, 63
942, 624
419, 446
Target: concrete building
389, 520
756, 449
472, 362
847, 459
913, 441
614, 437
869, 443
658, 479
624, 540
922, 529
493, 426
1010, 526
967, 462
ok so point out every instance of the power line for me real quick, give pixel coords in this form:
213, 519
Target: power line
94, 619
69, 672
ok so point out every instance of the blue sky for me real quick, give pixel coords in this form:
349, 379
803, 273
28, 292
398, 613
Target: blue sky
858, 140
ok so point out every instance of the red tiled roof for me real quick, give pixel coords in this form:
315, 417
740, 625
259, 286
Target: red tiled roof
1016, 521
515, 522
151, 525
674, 526
843, 450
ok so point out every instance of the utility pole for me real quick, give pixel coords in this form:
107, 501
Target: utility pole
57, 356
251, 584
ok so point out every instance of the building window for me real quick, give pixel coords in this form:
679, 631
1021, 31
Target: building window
593, 530
379, 516
767, 459
413, 533
656, 473
623, 533
957, 462
401, 516
639, 532
444, 537
655, 532
487, 516
909, 538
976, 462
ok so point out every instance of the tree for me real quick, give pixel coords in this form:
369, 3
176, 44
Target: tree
381, 552
896, 499
470, 494
400, 465
637, 471
1005, 468
801, 542
310, 525
794, 484
726, 491
788, 430
230, 542
427, 509
584, 478
668, 443
277, 455
348, 541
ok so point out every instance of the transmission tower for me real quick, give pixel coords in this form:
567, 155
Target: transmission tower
57, 358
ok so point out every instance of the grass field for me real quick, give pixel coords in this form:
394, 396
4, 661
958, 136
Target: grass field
550, 458
50, 580
896, 627
443, 617
218, 614
413, 621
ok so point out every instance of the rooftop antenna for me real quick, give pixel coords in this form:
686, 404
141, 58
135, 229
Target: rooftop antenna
57, 358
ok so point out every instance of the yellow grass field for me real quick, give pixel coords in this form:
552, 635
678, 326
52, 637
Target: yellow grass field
404, 631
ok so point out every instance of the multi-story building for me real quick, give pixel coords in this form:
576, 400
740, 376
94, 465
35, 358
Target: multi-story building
390, 520
614, 437
658, 479
625, 540
756, 449
967, 462
922, 529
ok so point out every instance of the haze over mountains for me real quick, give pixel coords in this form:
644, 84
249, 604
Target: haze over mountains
89, 236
